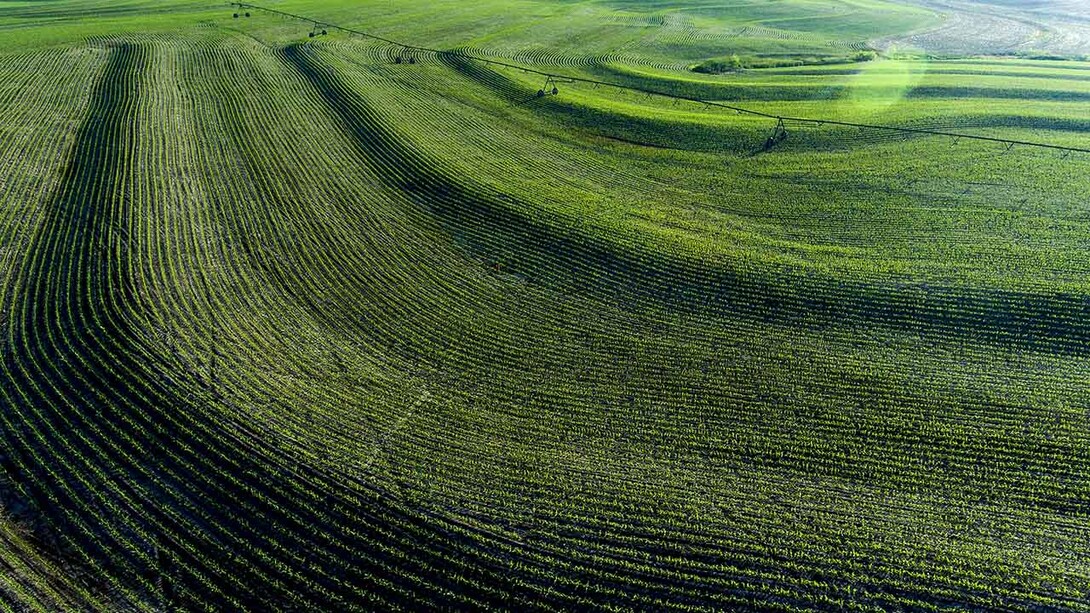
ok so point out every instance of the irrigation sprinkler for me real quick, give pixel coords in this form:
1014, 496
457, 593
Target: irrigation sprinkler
552, 79
779, 134
545, 89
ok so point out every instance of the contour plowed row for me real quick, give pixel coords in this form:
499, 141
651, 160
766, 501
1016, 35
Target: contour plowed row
318, 364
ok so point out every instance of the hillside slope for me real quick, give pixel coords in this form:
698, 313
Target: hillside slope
287, 324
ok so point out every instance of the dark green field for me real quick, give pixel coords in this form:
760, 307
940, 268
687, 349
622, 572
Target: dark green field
289, 322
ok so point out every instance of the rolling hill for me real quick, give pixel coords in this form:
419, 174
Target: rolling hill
290, 322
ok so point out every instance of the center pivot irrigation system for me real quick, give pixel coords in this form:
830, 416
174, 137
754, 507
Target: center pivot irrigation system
779, 133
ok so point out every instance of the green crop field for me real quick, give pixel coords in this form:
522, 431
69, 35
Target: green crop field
304, 321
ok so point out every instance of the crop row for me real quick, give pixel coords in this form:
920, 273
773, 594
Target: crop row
268, 347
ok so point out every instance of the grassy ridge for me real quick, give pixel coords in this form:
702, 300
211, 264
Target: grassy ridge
290, 325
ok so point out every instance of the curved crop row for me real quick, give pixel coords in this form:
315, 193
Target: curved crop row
303, 327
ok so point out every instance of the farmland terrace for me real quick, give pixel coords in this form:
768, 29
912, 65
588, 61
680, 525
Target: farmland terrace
293, 320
